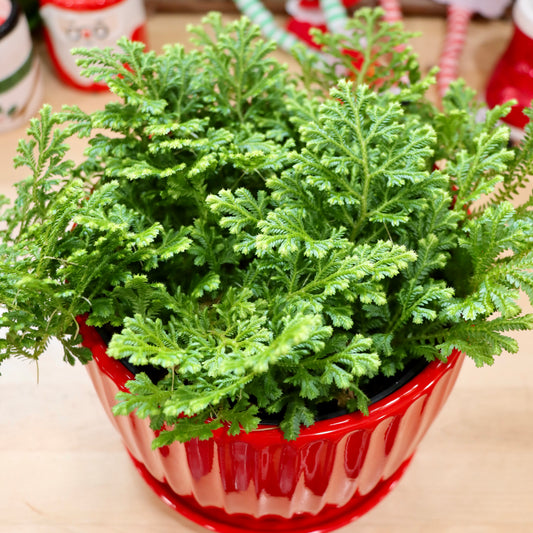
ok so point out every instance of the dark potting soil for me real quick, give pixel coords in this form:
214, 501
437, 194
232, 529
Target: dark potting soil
376, 389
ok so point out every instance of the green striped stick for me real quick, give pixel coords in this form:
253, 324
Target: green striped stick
335, 14
258, 14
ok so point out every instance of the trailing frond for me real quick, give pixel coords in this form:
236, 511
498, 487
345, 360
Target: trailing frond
520, 170
477, 173
458, 126
483, 340
496, 231
370, 51
496, 243
44, 154
242, 73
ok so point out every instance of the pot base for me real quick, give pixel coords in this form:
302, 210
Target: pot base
330, 518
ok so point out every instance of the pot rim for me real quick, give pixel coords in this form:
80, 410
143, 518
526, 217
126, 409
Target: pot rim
11, 21
399, 399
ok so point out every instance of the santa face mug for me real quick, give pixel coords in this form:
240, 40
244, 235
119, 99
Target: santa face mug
20, 73
72, 24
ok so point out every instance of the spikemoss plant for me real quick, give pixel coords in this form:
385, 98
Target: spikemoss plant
269, 241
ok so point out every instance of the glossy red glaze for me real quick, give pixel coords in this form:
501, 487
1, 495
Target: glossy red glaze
300, 26
512, 78
81, 5
301, 30
315, 4
333, 473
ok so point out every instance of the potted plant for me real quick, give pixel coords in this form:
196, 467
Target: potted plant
276, 276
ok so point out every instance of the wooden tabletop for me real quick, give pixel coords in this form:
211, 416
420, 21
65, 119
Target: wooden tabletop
64, 470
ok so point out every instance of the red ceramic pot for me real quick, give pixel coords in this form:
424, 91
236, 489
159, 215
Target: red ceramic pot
334, 472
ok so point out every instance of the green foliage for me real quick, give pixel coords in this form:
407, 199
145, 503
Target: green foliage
269, 248
370, 51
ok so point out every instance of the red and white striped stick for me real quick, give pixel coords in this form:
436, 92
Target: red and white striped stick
457, 27
393, 11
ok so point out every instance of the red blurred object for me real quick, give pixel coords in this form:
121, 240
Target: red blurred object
71, 24
512, 77
335, 471
315, 4
301, 30
306, 14
5, 10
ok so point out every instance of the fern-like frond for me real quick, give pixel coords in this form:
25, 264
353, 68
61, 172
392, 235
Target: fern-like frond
370, 51
483, 340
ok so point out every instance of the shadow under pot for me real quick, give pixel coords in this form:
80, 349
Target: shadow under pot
334, 472
20, 71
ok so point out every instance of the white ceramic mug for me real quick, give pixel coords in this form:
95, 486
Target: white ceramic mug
71, 24
20, 73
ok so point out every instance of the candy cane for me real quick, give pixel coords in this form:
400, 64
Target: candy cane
258, 14
457, 26
335, 14
459, 14
393, 11
334, 11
